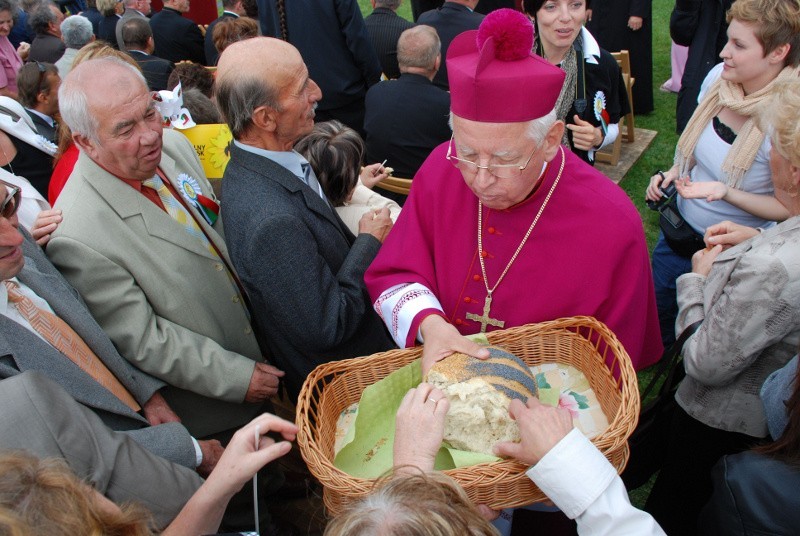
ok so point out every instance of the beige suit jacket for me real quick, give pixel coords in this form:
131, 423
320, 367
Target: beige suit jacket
165, 301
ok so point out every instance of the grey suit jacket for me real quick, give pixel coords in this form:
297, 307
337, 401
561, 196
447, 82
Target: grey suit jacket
22, 350
41, 418
162, 297
301, 267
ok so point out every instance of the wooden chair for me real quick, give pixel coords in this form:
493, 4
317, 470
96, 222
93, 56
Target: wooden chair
610, 155
623, 58
395, 185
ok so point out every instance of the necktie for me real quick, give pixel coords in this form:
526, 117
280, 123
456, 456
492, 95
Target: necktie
313, 183
178, 211
64, 339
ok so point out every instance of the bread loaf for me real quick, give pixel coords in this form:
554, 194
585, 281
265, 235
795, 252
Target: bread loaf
479, 392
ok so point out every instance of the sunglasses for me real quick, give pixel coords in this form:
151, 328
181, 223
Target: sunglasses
11, 203
42, 71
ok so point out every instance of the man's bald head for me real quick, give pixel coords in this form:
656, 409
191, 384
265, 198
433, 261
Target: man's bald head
113, 118
418, 48
264, 75
85, 90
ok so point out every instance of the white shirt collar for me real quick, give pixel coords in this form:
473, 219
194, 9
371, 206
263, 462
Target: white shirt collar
291, 160
591, 50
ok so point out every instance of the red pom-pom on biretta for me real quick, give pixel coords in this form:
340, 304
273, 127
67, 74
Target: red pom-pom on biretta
511, 32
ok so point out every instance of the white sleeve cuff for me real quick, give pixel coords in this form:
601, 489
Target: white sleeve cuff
198, 453
573, 474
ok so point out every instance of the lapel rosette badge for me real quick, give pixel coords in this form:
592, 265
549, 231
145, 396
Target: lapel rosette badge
190, 190
600, 112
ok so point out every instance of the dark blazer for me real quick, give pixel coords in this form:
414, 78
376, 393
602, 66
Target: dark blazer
449, 20
94, 17
177, 38
754, 495
418, 7
155, 70
699, 25
43, 128
333, 41
384, 27
107, 30
22, 350
405, 120
46, 48
211, 51
302, 268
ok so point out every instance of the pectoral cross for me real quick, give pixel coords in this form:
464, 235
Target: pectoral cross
484, 318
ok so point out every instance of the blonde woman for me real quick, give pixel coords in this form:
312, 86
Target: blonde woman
746, 291
722, 142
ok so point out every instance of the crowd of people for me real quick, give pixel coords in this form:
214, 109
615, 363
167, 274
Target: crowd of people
150, 318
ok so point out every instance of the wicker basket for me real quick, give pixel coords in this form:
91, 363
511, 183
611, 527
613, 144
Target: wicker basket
582, 342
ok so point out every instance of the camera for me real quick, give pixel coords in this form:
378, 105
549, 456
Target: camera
666, 196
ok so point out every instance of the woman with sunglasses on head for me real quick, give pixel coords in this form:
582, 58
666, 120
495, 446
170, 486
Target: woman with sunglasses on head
593, 99
745, 289
722, 146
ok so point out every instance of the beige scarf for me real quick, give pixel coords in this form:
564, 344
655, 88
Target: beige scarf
724, 94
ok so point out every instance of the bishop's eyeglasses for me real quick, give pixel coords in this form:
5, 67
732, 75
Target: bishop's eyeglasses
501, 171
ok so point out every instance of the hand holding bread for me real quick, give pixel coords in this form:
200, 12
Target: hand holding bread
443, 339
540, 427
419, 427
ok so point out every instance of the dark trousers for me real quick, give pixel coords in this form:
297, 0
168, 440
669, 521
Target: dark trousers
684, 484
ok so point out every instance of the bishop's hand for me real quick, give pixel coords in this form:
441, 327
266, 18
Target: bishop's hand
442, 339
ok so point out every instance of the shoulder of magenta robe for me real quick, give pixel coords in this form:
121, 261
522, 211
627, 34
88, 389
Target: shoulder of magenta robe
586, 256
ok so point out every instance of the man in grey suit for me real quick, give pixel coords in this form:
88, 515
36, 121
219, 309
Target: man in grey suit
142, 243
42, 418
23, 348
134, 9
302, 268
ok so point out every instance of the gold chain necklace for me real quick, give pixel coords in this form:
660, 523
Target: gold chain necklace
487, 304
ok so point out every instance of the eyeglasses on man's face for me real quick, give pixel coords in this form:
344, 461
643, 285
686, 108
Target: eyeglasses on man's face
11, 202
501, 171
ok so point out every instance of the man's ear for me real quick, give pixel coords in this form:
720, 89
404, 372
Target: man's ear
86, 145
265, 118
552, 140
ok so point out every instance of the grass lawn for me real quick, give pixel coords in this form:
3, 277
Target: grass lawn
658, 156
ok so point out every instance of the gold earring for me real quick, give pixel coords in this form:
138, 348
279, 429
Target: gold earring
793, 190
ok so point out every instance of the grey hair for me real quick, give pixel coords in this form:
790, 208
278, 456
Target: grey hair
73, 101
390, 4
239, 95
418, 47
29, 5
130, 3
41, 17
76, 31
537, 128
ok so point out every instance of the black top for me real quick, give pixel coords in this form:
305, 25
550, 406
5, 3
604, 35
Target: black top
603, 82
384, 27
405, 120
32, 164
107, 30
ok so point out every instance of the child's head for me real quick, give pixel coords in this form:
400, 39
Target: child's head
335, 153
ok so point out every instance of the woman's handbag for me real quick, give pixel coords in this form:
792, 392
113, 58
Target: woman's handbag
649, 441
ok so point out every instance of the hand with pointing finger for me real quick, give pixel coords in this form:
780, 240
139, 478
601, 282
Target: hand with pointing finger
585, 136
